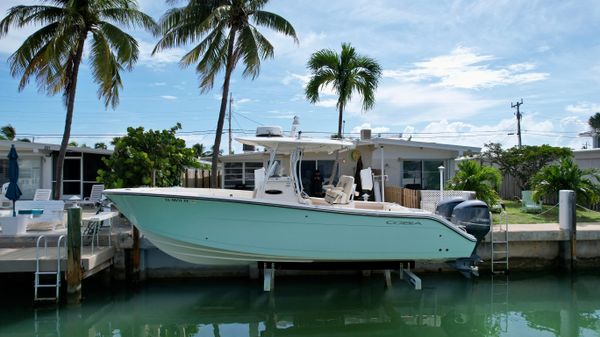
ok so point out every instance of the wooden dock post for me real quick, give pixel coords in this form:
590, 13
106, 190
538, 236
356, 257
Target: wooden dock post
74, 272
135, 256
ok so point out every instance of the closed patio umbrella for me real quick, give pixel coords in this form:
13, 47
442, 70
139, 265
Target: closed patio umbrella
13, 192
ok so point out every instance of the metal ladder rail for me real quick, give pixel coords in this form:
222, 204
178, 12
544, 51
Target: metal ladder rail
57, 273
503, 242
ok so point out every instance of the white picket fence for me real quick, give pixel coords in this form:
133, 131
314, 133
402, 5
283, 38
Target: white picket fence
430, 198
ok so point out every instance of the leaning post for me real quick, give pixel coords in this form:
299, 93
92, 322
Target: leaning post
74, 272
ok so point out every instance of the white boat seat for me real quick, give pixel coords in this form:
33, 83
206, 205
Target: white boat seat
342, 193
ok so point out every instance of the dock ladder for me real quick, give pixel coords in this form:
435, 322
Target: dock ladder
499, 245
39, 274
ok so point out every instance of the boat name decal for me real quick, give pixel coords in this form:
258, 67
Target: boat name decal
177, 200
403, 222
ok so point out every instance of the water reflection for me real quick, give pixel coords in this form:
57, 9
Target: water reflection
448, 306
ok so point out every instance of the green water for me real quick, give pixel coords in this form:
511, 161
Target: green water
449, 305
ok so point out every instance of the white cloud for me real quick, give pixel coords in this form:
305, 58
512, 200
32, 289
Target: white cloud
464, 68
296, 78
327, 103
374, 130
504, 132
169, 97
160, 59
583, 108
398, 103
158, 84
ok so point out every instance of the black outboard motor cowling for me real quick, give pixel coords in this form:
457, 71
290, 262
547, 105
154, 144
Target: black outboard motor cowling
446, 206
474, 216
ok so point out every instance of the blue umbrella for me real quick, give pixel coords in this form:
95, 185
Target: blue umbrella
13, 192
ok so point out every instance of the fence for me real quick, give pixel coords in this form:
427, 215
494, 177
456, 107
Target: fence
403, 196
198, 178
425, 199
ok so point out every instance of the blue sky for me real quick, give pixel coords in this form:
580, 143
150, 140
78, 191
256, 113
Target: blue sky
451, 71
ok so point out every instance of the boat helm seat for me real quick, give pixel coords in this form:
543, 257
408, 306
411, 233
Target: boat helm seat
342, 193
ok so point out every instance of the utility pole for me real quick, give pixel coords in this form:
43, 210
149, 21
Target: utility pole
229, 119
519, 116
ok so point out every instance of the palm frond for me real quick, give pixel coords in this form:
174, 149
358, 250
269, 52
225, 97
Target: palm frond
131, 18
20, 16
124, 44
105, 69
276, 23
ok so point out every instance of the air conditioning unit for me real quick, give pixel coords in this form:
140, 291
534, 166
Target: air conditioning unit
365, 134
248, 148
269, 131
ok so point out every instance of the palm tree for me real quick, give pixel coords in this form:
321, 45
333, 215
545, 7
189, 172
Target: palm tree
200, 150
100, 146
53, 54
227, 33
566, 175
8, 132
594, 122
345, 73
483, 180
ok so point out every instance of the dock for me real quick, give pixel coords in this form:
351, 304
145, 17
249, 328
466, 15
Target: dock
23, 260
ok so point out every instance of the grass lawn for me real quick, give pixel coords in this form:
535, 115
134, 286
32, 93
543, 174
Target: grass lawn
516, 216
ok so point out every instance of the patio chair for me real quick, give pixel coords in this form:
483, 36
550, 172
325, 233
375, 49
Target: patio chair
4, 202
528, 205
95, 196
42, 194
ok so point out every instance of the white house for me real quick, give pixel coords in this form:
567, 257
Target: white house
36, 167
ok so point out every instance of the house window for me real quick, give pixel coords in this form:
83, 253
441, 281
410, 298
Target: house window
421, 174
308, 167
240, 175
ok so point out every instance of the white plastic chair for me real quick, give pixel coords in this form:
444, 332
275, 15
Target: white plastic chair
95, 195
4, 202
42, 194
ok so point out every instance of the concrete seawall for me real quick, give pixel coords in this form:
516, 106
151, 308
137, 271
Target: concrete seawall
531, 247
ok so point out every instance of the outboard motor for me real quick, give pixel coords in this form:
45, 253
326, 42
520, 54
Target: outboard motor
474, 217
446, 206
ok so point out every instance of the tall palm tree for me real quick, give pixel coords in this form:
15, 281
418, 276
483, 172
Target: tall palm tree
227, 33
566, 175
8, 132
345, 73
483, 180
53, 54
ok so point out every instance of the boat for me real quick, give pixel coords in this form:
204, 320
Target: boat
278, 223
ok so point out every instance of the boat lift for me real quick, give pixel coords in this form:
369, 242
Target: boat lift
404, 270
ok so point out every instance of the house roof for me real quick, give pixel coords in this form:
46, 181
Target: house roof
410, 143
47, 148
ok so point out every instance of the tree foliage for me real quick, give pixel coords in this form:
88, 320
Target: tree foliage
52, 54
100, 146
566, 175
594, 122
140, 153
483, 180
523, 163
345, 73
226, 32
8, 132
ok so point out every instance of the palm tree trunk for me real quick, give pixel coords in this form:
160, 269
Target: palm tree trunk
221, 120
70, 92
340, 121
